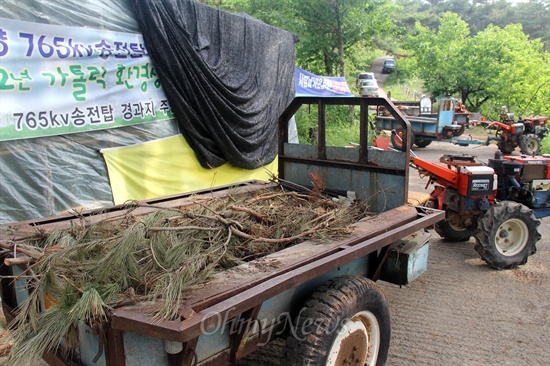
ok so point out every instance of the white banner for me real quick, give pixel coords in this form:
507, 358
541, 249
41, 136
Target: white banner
57, 80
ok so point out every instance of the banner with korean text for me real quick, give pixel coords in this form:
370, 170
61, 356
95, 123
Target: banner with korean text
58, 80
308, 84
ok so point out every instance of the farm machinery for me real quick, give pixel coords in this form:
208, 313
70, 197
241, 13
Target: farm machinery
526, 133
446, 125
451, 121
499, 204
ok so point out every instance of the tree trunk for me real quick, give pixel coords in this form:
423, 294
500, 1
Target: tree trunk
340, 40
341, 57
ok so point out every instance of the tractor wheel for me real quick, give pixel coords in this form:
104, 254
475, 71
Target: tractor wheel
398, 137
506, 235
506, 148
421, 142
529, 144
346, 322
452, 233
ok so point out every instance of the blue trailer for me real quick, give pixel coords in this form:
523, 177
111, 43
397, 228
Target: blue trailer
446, 125
282, 295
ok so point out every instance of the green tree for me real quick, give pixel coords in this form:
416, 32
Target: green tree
534, 15
413, 11
498, 66
535, 18
436, 51
519, 73
328, 30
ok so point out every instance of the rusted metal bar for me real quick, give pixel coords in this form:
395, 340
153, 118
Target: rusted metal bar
343, 165
364, 132
114, 349
189, 352
321, 131
240, 338
384, 253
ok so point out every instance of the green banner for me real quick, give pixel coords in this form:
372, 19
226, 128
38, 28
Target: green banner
58, 80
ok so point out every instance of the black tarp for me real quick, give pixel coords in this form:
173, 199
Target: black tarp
227, 78
41, 177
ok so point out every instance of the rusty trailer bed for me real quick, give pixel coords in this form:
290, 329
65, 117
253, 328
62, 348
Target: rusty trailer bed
240, 288
241, 292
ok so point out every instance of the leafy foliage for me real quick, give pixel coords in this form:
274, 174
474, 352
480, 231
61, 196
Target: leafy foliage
340, 131
328, 30
474, 50
498, 66
533, 15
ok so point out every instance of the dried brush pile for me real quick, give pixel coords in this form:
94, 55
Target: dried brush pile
86, 271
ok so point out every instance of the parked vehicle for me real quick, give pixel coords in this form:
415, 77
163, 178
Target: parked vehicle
447, 124
369, 88
388, 66
499, 204
364, 76
526, 133
279, 295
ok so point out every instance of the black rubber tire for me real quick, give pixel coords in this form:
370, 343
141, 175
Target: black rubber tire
449, 233
460, 131
502, 221
505, 148
421, 143
529, 144
323, 317
397, 141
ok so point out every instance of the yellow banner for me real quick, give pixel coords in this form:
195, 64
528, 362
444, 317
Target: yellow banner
166, 167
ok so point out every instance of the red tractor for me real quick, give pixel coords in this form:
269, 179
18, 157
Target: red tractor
526, 133
499, 203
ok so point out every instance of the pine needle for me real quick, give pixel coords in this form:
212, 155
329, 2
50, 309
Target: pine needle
89, 270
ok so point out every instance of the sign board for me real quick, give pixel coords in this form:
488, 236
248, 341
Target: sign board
308, 84
58, 80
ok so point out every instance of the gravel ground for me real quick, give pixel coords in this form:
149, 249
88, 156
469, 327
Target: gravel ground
461, 312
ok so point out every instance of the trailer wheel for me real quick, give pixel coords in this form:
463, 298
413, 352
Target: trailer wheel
452, 233
529, 144
398, 137
346, 322
421, 142
507, 235
460, 131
